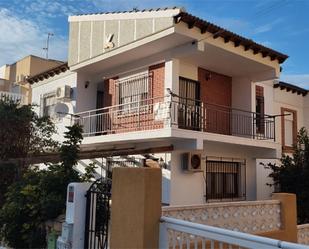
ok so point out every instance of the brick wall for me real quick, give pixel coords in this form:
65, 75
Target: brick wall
158, 73
129, 122
216, 89
109, 98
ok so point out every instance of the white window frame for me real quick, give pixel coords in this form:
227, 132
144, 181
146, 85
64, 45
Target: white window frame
43, 104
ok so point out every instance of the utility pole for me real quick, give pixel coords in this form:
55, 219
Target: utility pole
47, 43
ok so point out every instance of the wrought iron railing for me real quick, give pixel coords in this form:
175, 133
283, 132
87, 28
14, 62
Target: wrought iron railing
16, 97
156, 113
148, 114
196, 115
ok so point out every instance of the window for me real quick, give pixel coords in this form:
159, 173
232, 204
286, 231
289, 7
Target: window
188, 110
289, 129
259, 109
224, 179
132, 92
48, 105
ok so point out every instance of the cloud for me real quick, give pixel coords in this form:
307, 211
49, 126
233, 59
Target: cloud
268, 26
23, 37
301, 80
233, 24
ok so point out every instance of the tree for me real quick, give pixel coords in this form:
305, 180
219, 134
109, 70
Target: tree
39, 195
292, 175
22, 132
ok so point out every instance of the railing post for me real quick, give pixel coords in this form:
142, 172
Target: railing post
169, 101
274, 124
163, 236
138, 114
253, 125
202, 116
89, 116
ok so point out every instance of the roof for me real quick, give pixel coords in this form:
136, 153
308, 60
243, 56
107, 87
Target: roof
134, 10
203, 25
290, 87
48, 73
38, 57
193, 21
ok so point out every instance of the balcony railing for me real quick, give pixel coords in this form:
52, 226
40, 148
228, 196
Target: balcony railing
157, 113
196, 115
16, 97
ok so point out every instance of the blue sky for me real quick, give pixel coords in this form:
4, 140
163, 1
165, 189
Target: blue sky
280, 24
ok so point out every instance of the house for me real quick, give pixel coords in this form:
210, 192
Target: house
162, 83
13, 77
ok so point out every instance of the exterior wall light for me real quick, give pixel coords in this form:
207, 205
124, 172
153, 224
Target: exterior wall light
87, 83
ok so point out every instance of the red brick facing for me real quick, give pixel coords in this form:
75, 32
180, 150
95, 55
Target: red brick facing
158, 75
259, 91
133, 121
109, 92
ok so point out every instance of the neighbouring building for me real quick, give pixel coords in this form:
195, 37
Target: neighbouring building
203, 101
13, 78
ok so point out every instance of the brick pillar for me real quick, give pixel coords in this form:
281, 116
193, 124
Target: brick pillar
288, 215
136, 208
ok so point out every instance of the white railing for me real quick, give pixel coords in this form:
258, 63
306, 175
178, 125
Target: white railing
16, 97
175, 233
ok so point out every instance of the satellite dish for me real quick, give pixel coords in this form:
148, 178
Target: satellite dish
61, 108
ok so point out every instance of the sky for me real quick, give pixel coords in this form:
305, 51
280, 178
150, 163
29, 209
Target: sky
282, 25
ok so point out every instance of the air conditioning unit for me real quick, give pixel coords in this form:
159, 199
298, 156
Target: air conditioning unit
63, 92
192, 162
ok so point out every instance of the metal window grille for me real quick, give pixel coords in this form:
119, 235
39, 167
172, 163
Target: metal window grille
260, 120
49, 102
225, 179
132, 92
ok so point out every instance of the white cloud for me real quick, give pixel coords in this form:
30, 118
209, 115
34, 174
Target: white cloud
233, 24
268, 26
20, 37
301, 80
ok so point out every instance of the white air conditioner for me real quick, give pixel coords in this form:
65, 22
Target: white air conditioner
63, 92
192, 162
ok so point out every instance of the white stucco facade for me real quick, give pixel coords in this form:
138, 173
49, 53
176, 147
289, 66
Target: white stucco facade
171, 46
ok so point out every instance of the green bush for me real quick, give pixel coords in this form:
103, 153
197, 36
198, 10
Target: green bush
292, 176
39, 195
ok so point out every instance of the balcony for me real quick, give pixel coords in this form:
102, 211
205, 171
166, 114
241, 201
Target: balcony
16, 97
174, 112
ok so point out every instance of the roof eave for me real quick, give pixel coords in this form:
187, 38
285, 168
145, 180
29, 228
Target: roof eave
205, 26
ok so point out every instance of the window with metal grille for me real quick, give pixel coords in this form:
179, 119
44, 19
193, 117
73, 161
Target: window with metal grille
289, 128
48, 104
225, 179
132, 92
259, 109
